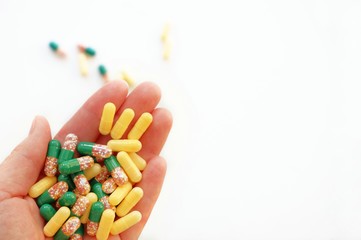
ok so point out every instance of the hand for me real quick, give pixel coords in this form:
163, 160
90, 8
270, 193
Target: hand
19, 214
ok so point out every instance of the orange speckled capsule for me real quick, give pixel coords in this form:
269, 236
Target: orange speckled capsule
80, 206
53, 194
81, 183
109, 186
103, 175
51, 162
68, 229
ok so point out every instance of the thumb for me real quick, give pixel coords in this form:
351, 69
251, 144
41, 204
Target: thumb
21, 169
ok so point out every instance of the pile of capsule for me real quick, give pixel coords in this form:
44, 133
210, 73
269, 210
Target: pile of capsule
94, 191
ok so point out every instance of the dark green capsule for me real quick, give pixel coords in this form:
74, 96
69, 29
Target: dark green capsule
111, 163
96, 212
60, 235
47, 211
97, 189
90, 52
102, 70
53, 194
54, 147
68, 180
65, 155
68, 199
93, 149
45, 198
54, 46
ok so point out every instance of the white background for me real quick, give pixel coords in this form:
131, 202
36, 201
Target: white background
265, 96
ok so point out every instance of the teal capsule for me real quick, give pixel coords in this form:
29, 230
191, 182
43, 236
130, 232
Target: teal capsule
76, 165
51, 165
96, 212
53, 194
90, 52
68, 199
68, 180
47, 211
102, 70
54, 46
68, 148
93, 149
97, 189
54, 147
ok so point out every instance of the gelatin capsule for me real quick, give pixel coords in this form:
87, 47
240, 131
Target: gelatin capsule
81, 183
103, 72
119, 194
68, 229
92, 197
68, 180
138, 161
55, 48
129, 167
93, 149
125, 222
56, 221
47, 211
165, 33
127, 145
80, 206
126, 77
122, 123
103, 175
103, 197
115, 170
140, 126
68, 199
166, 50
96, 212
83, 65
129, 201
53, 194
87, 50
41, 186
109, 186
78, 235
93, 171
76, 165
68, 148
106, 121
105, 224
51, 162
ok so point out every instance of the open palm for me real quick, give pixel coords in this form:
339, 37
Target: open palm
19, 214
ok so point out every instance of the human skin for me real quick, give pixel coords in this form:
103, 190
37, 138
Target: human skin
19, 214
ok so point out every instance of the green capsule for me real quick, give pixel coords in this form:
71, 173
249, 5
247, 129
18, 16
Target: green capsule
76, 165
54, 147
93, 149
54, 46
97, 189
90, 52
53, 194
96, 212
111, 163
68, 180
47, 211
93, 181
68, 199
65, 155
102, 70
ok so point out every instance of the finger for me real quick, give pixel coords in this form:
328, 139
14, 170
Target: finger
151, 184
20, 170
156, 135
144, 98
85, 123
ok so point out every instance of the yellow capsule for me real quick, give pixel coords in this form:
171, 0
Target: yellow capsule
93, 171
127, 78
166, 50
106, 121
140, 126
138, 161
125, 222
119, 194
92, 197
129, 167
41, 186
165, 34
122, 124
126, 145
83, 64
56, 221
105, 224
129, 201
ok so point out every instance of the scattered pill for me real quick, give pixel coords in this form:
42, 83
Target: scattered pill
93, 149
138, 161
41, 186
53, 194
55, 48
68, 148
105, 224
96, 212
119, 193
127, 78
129, 201
140, 126
55, 223
167, 50
76, 165
92, 199
83, 64
103, 72
51, 162
47, 211
125, 222
122, 123
127, 145
93, 171
68, 229
165, 33
129, 167
107, 118
115, 170
90, 52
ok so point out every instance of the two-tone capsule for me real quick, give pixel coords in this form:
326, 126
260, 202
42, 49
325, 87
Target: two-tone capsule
68, 148
55, 48
76, 164
68, 180
109, 186
81, 183
102, 196
53, 194
51, 162
93, 149
115, 170
90, 52
104, 73
68, 229
96, 212
103, 175
80, 206
41, 186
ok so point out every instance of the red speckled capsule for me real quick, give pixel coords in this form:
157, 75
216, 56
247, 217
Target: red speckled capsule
81, 183
105, 201
70, 226
76, 237
109, 186
103, 175
119, 176
51, 162
58, 190
81, 204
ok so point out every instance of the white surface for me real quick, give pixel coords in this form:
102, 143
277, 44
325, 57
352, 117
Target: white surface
265, 95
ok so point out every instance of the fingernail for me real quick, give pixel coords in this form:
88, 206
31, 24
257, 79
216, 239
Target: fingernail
33, 125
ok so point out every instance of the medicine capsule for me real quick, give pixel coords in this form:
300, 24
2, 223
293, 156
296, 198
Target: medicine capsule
68, 199
103, 175
122, 123
92, 171
102, 196
47, 211
109, 186
127, 78
165, 33
68, 180
105, 224
83, 64
53, 194
119, 194
51, 162
41, 186
78, 235
127, 145
87, 50
140, 126
68, 148
81, 183
80, 206
92, 197
103, 73
166, 50
55, 48
125, 222
138, 161
129, 167
76, 165
115, 170
68, 229
93, 149
56, 221
107, 118
129, 201
96, 212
